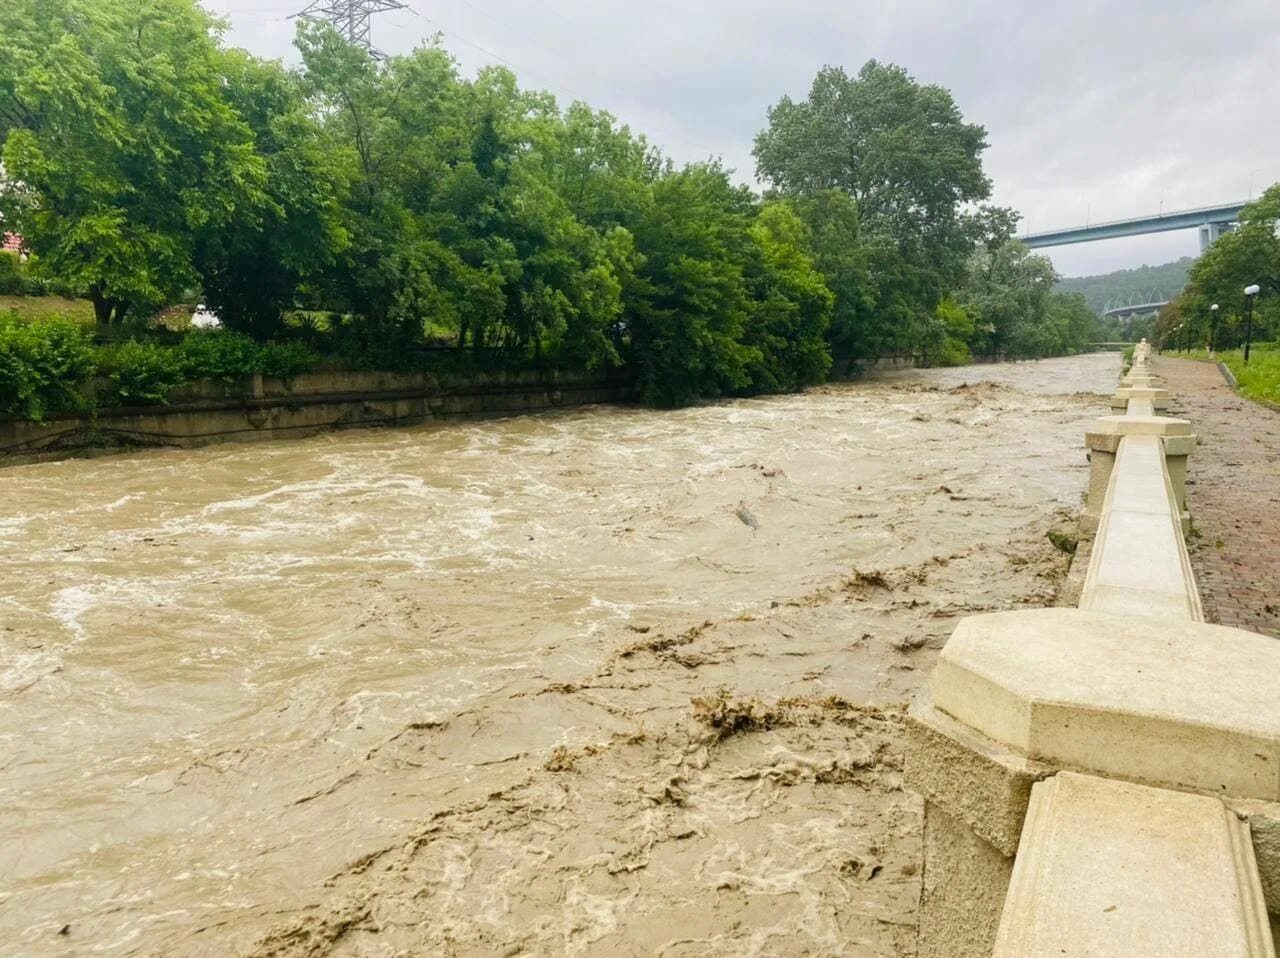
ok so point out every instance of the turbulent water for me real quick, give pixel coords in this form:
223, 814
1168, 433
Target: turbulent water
604, 682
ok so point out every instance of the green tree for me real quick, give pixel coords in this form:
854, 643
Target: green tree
912, 165
791, 305
689, 300
119, 143
1007, 294
1249, 255
251, 267
854, 333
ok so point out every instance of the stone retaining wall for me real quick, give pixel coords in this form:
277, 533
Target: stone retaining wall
1105, 780
264, 408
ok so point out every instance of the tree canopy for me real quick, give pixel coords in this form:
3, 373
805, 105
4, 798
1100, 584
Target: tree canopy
383, 211
909, 169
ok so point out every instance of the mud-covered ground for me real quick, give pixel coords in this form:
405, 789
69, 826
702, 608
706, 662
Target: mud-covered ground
606, 682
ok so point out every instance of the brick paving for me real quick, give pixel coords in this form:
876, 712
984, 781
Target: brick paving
1233, 494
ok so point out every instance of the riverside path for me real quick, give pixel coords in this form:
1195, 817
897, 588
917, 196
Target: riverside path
1233, 493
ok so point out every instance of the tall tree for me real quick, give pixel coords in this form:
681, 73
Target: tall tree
854, 332
119, 143
791, 304
904, 153
251, 267
690, 299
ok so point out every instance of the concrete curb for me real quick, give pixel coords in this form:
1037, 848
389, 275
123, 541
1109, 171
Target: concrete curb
1228, 375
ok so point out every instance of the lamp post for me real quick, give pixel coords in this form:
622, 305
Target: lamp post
1213, 327
1250, 294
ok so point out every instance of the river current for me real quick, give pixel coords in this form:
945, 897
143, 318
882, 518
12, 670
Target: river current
608, 681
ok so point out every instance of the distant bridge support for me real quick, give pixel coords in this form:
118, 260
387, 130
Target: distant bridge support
1209, 232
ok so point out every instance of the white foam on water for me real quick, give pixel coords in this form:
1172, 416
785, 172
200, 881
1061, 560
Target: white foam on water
123, 500
21, 670
69, 605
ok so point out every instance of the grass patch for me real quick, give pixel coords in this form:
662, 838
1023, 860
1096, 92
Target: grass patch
40, 309
1261, 378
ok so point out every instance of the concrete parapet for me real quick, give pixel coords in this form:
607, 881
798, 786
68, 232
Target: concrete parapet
1103, 442
1112, 770
976, 793
1018, 697
1184, 705
1139, 563
1111, 868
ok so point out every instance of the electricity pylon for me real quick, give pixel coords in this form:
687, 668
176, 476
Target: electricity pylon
350, 18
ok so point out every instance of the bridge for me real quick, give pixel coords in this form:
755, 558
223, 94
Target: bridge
1138, 309
1211, 221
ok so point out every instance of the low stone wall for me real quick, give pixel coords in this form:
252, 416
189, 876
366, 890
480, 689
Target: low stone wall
1105, 780
263, 408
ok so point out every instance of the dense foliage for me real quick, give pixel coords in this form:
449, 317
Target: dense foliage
921, 268
42, 366
372, 209
53, 366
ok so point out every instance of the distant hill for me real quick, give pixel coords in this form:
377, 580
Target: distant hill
1125, 286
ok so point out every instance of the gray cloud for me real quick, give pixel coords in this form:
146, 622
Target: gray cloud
1095, 110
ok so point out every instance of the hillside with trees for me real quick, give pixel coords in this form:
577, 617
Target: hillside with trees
1145, 284
395, 214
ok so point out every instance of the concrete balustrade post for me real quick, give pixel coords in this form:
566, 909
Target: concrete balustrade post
1159, 399
1103, 440
1179, 707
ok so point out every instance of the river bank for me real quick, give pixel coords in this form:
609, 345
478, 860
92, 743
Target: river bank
606, 680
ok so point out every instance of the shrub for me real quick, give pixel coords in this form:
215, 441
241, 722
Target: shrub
141, 374
43, 366
218, 354
286, 360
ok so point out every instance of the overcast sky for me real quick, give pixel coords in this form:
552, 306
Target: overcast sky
1094, 110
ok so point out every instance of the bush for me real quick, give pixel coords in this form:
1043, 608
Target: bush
141, 374
286, 360
43, 366
218, 354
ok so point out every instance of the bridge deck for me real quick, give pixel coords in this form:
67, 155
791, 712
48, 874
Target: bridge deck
1139, 226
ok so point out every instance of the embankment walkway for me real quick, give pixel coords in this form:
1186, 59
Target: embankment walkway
1233, 493
1105, 780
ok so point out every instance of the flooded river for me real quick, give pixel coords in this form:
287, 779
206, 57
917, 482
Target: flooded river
604, 682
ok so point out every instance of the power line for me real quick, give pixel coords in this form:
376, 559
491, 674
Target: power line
351, 18
551, 83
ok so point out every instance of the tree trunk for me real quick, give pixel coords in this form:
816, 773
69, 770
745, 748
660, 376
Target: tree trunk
101, 306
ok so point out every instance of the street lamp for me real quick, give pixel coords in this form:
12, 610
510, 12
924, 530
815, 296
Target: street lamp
1213, 327
1250, 294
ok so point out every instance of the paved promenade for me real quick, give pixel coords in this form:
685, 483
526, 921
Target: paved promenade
1233, 492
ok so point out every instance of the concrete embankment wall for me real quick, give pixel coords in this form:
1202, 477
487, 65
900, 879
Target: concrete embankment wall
264, 408
1105, 780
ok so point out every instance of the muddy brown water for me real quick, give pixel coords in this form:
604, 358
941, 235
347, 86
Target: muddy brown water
605, 682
